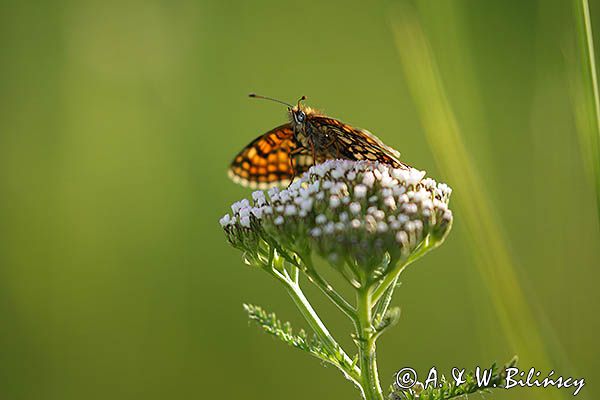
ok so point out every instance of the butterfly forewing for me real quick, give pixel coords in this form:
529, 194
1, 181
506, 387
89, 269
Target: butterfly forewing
265, 162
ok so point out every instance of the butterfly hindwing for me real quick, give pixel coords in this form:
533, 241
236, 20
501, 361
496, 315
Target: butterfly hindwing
357, 144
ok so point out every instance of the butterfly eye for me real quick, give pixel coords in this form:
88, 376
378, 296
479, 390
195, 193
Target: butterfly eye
300, 116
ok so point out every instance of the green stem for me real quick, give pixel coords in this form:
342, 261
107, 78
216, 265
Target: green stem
309, 313
365, 340
392, 277
328, 290
382, 305
295, 274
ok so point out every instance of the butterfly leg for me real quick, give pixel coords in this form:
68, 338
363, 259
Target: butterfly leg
334, 143
292, 155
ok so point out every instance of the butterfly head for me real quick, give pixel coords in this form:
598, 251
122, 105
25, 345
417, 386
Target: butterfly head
299, 113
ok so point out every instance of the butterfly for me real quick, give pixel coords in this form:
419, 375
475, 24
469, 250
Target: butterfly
285, 152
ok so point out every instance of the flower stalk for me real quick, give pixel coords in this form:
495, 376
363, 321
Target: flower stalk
366, 337
310, 315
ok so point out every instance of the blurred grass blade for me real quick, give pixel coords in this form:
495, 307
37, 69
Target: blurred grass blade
475, 208
587, 99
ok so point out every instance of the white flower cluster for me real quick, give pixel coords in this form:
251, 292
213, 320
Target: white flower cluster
350, 212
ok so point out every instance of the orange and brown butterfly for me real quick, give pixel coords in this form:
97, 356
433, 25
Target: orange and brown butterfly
309, 138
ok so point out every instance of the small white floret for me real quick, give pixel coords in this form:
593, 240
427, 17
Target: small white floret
337, 173
238, 205
259, 197
321, 219
306, 205
390, 202
315, 232
360, 191
382, 227
245, 221
334, 201
402, 238
369, 179
290, 210
225, 221
343, 216
354, 208
257, 212
329, 228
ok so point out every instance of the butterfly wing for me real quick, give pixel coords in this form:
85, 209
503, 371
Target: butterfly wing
265, 162
358, 144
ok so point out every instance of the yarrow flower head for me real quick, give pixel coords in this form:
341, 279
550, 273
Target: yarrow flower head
362, 217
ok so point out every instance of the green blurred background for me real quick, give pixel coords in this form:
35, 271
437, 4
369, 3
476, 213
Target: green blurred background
118, 120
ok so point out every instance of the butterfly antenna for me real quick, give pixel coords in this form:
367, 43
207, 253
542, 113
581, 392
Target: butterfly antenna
301, 99
256, 96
